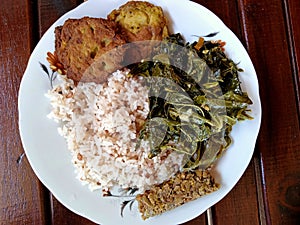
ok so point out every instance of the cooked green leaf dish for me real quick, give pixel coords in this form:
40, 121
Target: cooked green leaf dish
195, 98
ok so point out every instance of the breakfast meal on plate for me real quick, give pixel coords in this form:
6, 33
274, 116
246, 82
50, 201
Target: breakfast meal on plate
154, 128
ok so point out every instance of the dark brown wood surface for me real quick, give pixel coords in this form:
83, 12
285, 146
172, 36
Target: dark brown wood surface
269, 191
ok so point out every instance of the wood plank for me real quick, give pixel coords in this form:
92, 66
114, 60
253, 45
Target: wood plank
226, 10
19, 187
200, 220
267, 38
232, 209
292, 9
63, 216
240, 205
50, 11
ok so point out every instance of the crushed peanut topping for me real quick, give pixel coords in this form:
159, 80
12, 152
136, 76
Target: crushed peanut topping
184, 187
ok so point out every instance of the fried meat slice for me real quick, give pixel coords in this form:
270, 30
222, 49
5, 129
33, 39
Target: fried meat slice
87, 48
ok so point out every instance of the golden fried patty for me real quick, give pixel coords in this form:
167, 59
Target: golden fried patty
81, 43
140, 21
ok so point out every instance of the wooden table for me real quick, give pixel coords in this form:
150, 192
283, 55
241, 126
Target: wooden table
269, 191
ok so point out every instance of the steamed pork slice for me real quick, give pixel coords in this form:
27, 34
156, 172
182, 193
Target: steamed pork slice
140, 21
88, 46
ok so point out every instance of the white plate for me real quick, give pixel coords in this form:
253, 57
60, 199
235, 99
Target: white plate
47, 152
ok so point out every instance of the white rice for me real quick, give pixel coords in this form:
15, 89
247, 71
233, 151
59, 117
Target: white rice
99, 123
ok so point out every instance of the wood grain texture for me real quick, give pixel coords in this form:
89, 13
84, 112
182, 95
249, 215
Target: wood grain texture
240, 205
292, 9
267, 37
200, 220
50, 11
226, 10
63, 216
20, 199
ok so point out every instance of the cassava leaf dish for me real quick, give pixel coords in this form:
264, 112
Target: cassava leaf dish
195, 98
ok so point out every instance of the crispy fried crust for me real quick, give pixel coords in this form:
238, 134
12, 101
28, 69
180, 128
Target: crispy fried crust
184, 187
81, 42
140, 21
91, 48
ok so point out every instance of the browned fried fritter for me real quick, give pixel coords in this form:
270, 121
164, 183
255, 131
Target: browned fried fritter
140, 21
84, 46
92, 48
184, 187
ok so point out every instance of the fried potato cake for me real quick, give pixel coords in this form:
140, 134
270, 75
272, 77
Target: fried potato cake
140, 21
87, 48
